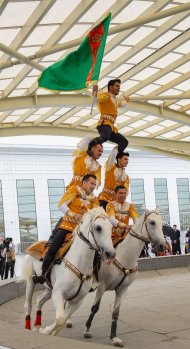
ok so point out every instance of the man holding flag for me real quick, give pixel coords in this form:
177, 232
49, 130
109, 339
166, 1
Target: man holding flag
107, 105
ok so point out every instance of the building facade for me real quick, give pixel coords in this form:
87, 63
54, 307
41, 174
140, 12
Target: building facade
33, 179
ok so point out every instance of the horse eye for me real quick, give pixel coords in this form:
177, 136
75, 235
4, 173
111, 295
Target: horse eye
152, 222
99, 228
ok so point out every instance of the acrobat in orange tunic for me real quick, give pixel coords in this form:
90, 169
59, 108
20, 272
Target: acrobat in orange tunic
119, 215
114, 176
76, 201
84, 164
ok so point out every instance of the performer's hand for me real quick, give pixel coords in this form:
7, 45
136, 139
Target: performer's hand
128, 227
126, 98
94, 90
77, 217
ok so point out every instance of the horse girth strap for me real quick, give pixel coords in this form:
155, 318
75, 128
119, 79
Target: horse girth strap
123, 269
76, 271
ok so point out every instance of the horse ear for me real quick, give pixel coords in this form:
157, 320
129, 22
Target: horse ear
146, 211
157, 210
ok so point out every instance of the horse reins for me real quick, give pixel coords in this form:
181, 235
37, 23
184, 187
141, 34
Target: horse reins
133, 233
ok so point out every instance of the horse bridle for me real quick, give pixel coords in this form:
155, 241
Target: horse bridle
96, 248
133, 233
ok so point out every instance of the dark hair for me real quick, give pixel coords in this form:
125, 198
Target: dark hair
87, 177
119, 187
120, 155
92, 144
112, 82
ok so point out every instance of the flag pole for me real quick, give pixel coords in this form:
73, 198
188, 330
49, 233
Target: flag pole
94, 96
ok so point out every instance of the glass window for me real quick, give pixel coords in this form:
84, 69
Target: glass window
2, 227
137, 194
183, 201
161, 197
27, 212
56, 189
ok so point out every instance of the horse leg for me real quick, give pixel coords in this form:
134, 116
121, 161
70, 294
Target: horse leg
62, 314
99, 293
41, 300
60, 320
115, 315
28, 303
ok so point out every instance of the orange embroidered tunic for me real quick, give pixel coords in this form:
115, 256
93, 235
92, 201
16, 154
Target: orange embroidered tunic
78, 202
119, 215
84, 164
114, 176
107, 105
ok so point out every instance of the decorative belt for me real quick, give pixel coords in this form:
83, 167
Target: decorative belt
108, 191
68, 219
77, 179
108, 117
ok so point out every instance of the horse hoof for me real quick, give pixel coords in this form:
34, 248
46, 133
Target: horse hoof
69, 324
87, 335
117, 342
36, 329
42, 330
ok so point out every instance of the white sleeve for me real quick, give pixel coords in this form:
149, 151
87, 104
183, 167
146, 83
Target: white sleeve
64, 206
112, 157
83, 144
113, 221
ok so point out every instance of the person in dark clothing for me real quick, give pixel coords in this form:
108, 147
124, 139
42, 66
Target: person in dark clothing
2, 259
175, 239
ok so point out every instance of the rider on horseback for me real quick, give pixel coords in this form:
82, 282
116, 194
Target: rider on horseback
114, 175
74, 203
119, 212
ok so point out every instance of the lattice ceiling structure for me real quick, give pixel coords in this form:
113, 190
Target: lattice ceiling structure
148, 48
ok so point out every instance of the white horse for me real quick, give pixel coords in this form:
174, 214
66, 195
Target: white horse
72, 279
119, 275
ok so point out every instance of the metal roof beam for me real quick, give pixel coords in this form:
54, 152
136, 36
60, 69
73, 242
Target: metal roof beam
119, 28
82, 100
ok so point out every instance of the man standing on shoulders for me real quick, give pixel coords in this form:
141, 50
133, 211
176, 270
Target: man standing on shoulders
175, 238
120, 211
114, 175
85, 161
108, 105
75, 202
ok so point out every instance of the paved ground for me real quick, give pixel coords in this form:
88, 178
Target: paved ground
155, 313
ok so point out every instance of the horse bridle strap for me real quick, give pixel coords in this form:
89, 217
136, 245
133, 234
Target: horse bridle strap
135, 235
82, 237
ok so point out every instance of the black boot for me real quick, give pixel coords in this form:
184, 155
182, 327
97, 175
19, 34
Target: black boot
40, 279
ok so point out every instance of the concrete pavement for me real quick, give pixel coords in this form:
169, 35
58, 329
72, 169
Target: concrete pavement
154, 314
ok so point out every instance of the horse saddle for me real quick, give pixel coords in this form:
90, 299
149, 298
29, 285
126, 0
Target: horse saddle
117, 238
39, 249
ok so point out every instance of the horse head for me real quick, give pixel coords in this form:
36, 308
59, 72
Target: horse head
97, 229
152, 225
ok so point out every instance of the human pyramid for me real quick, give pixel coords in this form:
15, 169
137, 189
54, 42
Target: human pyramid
79, 196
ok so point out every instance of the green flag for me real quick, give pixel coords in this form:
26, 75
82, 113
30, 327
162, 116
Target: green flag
81, 67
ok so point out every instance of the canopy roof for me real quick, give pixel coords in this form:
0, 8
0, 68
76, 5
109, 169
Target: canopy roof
148, 48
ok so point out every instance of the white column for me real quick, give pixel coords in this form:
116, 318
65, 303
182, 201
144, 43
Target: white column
173, 200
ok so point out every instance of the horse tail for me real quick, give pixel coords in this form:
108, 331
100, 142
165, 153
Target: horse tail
27, 269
